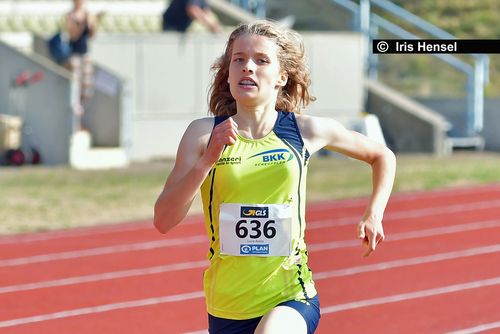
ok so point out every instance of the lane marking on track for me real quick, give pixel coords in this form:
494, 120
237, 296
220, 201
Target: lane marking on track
73, 233
202, 239
200, 294
409, 196
104, 276
102, 308
192, 219
411, 295
455, 208
103, 250
410, 235
201, 264
88, 231
394, 215
477, 329
407, 214
406, 262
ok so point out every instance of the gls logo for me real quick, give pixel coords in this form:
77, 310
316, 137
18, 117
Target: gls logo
278, 155
254, 211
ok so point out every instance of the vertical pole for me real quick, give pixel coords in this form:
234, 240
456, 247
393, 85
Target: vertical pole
364, 8
471, 93
479, 80
373, 58
365, 17
261, 9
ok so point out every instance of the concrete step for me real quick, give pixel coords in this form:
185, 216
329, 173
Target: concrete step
369, 125
473, 142
85, 157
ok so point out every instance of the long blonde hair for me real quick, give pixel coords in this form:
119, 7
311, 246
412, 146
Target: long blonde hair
292, 97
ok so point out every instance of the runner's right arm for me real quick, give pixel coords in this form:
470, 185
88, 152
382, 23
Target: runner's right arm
193, 163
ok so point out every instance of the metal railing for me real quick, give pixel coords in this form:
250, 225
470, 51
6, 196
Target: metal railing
256, 7
369, 24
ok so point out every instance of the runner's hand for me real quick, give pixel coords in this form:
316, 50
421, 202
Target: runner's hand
223, 134
371, 232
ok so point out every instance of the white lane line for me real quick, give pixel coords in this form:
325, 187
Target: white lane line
102, 250
200, 264
477, 329
102, 308
456, 208
73, 233
407, 262
407, 214
200, 294
202, 238
411, 295
314, 207
408, 196
104, 276
89, 230
410, 235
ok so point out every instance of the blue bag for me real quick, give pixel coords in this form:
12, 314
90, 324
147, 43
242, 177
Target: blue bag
59, 48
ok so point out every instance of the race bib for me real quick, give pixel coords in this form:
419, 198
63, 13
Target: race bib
255, 229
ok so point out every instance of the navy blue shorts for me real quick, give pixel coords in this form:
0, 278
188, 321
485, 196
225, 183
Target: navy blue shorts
309, 311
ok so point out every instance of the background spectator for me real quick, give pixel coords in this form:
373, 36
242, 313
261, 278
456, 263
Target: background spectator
180, 14
81, 25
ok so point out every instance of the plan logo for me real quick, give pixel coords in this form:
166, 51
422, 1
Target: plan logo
262, 249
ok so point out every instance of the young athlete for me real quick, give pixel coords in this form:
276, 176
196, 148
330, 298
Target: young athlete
250, 162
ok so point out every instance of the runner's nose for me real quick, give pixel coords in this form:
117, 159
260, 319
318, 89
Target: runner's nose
249, 66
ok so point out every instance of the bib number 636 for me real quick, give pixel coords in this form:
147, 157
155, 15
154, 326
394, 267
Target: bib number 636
255, 229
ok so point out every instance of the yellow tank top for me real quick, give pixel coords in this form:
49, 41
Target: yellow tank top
254, 208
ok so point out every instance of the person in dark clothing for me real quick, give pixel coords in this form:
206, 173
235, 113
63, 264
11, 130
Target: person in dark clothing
180, 14
81, 25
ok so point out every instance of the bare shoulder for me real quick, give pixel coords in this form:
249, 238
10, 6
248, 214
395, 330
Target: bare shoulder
313, 124
317, 132
198, 132
201, 125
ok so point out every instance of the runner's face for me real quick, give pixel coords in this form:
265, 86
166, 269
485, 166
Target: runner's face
254, 71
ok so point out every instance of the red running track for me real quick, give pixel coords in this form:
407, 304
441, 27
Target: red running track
437, 272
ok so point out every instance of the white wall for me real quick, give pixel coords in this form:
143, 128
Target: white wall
169, 78
44, 106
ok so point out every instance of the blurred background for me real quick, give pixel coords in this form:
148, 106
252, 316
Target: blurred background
89, 140
149, 84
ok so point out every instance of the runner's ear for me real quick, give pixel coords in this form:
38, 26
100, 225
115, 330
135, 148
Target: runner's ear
283, 79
